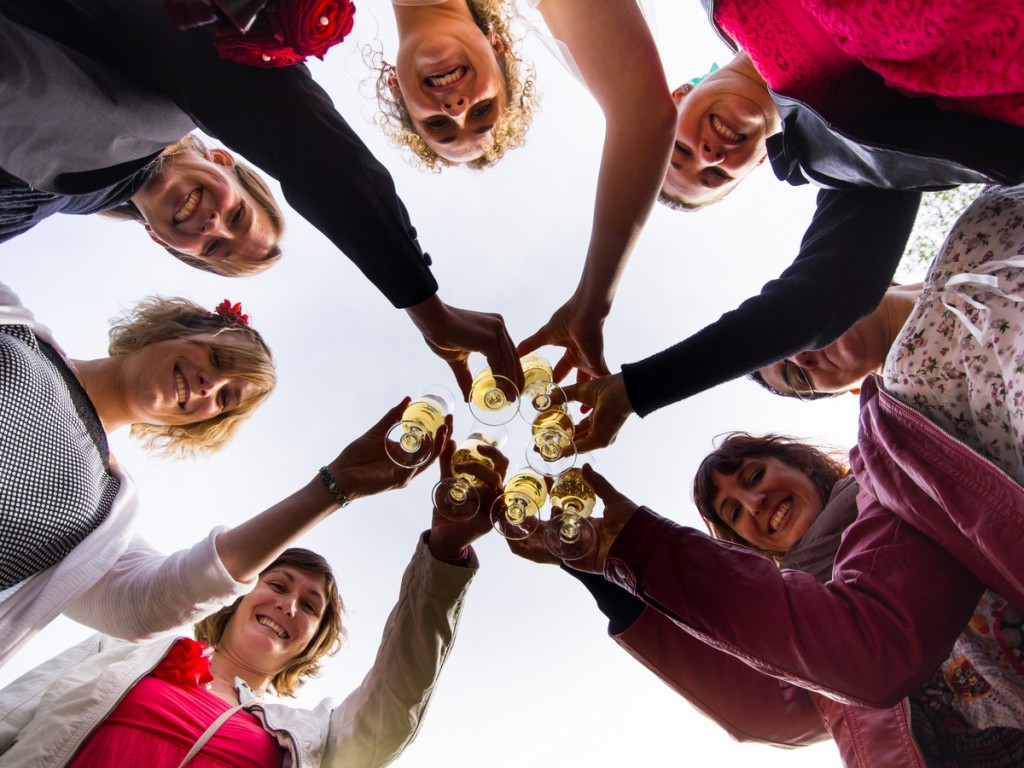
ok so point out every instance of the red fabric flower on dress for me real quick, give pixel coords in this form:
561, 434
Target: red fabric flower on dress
187, 664
313, 26
285, 32
233, 311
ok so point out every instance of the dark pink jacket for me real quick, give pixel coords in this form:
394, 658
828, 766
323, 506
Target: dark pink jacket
775, 656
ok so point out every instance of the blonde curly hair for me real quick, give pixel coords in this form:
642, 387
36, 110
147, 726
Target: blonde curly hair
156, 319
491, 16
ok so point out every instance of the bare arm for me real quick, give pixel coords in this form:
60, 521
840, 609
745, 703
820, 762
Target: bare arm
613, 47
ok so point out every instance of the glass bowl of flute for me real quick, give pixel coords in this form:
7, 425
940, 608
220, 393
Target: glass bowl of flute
409, 442
458, 497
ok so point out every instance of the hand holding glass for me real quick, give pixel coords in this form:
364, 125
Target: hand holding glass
553, 450
409, 442
458, 497
493, 399
515, 514
570, 535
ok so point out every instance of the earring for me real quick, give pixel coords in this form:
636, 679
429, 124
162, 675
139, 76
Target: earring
687, 87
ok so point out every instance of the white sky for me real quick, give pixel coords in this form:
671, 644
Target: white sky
510, 240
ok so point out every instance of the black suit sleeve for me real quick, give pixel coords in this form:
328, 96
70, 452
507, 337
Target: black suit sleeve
847, 259
278, 119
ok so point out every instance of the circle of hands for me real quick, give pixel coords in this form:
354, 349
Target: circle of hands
364, 469
617, 512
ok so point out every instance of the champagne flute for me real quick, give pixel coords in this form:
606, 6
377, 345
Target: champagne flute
515, 514
493, 399
570, 535
458, 497
540, 393
553, 450
410, 442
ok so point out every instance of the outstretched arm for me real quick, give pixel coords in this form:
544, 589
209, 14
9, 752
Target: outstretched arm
869, 636
613, 48
147, 592
378, 720
846, 262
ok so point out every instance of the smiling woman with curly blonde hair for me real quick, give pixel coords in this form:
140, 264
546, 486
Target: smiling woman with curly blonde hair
494, 90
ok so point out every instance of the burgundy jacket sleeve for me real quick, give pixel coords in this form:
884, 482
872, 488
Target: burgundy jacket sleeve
749, 705
875, 632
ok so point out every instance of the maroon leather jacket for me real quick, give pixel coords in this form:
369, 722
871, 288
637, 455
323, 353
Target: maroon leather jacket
810, 660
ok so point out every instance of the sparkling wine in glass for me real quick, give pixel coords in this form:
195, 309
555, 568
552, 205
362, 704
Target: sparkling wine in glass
570, 535
515, 514
410, 442
458, 497
493, 399
553, 450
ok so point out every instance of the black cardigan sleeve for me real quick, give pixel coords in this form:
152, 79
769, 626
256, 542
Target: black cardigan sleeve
278, 119
846, 261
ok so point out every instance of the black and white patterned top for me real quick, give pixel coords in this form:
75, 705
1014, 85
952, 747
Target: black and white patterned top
55, 481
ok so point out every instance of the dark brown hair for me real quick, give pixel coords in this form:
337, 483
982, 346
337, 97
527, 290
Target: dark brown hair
823, 467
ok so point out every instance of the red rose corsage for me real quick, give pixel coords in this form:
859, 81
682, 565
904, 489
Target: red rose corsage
232, 311
262, 33
187, 664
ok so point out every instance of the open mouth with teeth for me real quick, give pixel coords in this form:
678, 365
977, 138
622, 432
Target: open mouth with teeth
448, 78
181, 388
724, 131
273, 626
780, 515
188, 206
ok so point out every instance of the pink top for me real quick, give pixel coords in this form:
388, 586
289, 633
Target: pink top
157, 722
840, 55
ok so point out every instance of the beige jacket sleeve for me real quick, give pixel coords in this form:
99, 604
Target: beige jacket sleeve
382, 716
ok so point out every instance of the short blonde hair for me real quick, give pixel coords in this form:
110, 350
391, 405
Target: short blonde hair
329, 635
492, 16
157, 319
251, 181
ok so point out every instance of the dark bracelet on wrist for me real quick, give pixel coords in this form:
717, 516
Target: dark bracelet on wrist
331, 484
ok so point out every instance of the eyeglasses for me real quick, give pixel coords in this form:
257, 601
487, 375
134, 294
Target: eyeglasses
798, 380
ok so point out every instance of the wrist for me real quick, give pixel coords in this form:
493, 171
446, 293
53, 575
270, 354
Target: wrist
334, 482
592, 306
454, 552
424, 315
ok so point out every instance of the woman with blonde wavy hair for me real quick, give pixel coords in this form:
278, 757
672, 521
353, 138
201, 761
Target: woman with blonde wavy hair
458, 94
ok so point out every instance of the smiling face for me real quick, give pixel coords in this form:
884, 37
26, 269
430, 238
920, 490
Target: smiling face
839, 367
196, 204
273, 625
721, 127
769, 503
450, 78
183, 381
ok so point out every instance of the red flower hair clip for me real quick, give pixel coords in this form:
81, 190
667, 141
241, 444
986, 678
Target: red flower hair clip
232, 311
